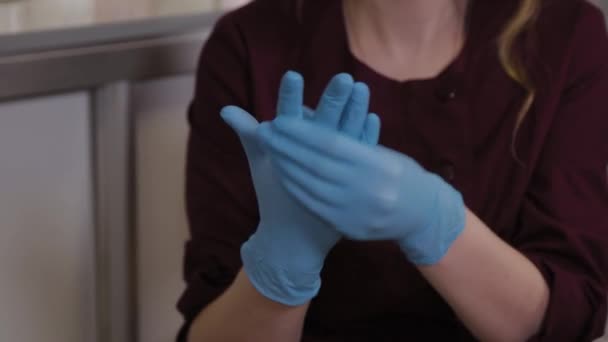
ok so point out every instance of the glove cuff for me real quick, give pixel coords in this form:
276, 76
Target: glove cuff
276, 282
431, 243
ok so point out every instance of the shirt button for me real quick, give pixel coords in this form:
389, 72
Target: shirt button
446, 95
448, 172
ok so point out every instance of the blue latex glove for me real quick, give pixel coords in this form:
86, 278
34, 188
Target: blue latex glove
284, 257
366, 192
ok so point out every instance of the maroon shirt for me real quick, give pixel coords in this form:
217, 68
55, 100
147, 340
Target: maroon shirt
459, 125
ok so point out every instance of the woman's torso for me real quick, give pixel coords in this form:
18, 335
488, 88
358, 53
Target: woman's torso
458, 125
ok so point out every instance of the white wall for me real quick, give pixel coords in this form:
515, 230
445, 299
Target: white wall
46, 230
160, 111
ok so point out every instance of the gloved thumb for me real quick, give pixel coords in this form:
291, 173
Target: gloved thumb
243, 123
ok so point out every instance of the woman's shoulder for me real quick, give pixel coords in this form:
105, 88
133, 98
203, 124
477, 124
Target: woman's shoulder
262, 31
259, 17
572, 34
258, 33
569, 19
272, 20
569, 8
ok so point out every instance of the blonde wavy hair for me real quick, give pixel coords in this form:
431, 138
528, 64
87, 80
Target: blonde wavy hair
512, 60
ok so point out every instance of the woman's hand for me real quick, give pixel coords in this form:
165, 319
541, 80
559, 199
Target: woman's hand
283, 259
366, 192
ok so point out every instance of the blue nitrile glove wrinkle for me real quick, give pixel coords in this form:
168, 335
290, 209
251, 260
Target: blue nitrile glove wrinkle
366, 192
428, 246
284, 257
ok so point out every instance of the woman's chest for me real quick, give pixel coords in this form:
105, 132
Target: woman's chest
467, 136
457, 126
463, 134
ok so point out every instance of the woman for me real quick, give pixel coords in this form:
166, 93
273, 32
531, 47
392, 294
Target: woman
504, 100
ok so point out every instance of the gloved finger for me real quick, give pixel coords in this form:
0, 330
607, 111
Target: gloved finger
281, 146
326, 201
309, 113
371, 130
291, 95
243, 123
317, 188
305, 199
322, 140
333, 101
353, 119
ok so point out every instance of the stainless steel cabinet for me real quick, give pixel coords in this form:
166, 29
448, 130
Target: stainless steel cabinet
47, 269
159, 109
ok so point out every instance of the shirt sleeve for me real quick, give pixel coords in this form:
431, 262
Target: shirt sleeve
564, 218
221, 202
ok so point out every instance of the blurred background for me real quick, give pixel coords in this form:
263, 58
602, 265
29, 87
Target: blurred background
93, 96
93, 99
